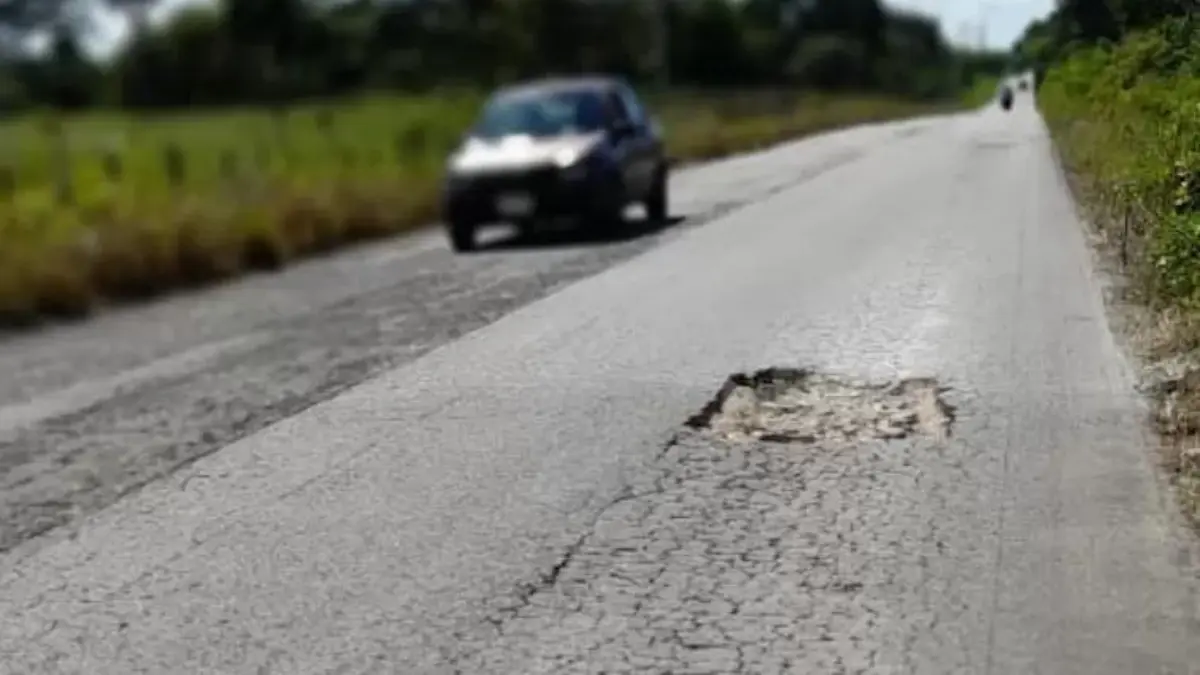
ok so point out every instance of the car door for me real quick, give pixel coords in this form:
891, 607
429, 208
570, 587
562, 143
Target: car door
631, 148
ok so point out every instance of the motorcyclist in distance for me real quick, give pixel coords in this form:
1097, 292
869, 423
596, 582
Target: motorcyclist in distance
1006, 96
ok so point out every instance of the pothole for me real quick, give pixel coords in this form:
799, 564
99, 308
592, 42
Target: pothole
804, 406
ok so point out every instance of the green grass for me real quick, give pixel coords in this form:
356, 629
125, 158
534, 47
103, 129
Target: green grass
981, 92
109, 207
1126, 120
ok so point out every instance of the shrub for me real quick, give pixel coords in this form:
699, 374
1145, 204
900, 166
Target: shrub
1127, 117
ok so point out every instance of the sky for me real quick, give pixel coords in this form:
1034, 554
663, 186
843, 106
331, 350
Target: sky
1003, 20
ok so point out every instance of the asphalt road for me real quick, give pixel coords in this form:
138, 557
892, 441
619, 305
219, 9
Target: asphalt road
510, 489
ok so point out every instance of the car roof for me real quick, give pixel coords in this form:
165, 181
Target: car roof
548, 85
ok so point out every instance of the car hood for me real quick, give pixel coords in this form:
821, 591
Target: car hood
520, 151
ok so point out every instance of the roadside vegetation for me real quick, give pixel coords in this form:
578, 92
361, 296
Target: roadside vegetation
245, 135
1121, 94
981, 92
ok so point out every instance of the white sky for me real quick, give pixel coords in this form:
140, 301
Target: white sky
961, 19
1005, 19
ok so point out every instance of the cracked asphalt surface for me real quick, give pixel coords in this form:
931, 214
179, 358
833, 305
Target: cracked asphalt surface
400, 461
757, 560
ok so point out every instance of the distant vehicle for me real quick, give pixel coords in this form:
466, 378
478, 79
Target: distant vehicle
1023, 84
578, 147
1006, 97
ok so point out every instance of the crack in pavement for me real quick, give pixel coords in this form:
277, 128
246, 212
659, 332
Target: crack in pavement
738, 559
747, 556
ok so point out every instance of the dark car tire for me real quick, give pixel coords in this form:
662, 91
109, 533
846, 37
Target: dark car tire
658, 208
462, 236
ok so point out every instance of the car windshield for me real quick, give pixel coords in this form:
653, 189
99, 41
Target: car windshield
551, 113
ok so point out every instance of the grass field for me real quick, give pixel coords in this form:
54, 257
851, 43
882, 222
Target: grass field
982, 92
107, 207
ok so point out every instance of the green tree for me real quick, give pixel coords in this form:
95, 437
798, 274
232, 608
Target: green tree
255, 51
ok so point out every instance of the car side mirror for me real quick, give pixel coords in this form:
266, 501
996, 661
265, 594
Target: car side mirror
621, 129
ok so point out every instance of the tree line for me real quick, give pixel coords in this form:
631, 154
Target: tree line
241, 52
1079, 24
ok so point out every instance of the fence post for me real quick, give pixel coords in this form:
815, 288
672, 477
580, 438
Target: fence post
114, 171
8, 183
174, 165
1128, 216
63, 183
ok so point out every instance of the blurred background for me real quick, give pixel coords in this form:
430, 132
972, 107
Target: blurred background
77, 53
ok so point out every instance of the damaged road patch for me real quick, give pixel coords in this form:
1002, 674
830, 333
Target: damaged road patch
797, 524
805, 406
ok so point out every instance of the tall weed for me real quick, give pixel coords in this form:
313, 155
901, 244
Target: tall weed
1128, 118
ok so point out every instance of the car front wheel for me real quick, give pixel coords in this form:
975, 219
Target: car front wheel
657, 203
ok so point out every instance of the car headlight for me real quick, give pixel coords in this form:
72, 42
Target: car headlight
567, 158
572, 163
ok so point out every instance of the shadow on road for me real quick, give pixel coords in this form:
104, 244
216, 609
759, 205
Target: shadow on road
572, 234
